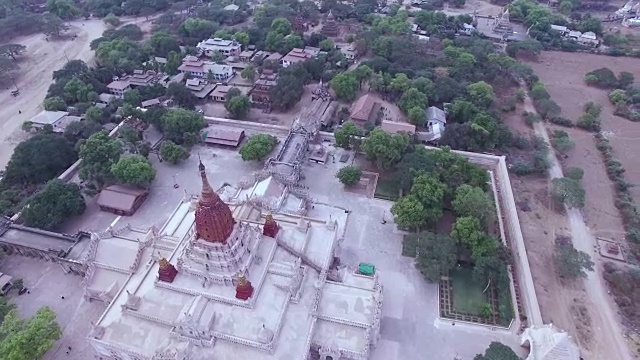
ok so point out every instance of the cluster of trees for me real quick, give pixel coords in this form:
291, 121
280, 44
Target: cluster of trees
237, 104
102, 8
442, 177
625, 96
26, 339
624, 202
258, 147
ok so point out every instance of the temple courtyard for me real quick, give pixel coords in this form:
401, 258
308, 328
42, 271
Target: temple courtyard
410, 328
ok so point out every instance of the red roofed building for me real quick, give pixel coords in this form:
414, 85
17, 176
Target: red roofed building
364, 109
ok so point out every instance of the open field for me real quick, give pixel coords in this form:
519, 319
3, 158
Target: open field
563, 75
37, 65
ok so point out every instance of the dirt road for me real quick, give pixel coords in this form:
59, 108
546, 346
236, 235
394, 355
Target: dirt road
611, 343
37, 65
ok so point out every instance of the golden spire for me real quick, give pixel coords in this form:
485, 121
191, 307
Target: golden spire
207, 196
164, 263
268, 219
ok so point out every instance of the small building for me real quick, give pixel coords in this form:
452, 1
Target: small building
150, 103
57, 119
219, 93
436, 116
223, 135
106, 98
275, 57
210, 47
139, 78
194, 67
562, 30
575, 35
231, 7
364, 110
121, 200
395, 127
246, 55
467, 29
295, 56
200, 88
589, 38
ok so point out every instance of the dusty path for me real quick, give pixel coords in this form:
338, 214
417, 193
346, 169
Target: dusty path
606, 325
37, 65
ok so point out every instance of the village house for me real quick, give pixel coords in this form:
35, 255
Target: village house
121, 200
58, 120
220, 92
139, 78
395, 127
348, 50
435, 124
364, 110
194, 67
200, 87
210, 47
298, 55
246, 55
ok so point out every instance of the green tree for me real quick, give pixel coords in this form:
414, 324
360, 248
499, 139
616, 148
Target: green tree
345, 134
574, 173
326, 45
417, 116
481, 94
618, 96
430, 191
55, 103
412, 98
497, 351
258, 147
568, 191
241, 37
173, 153
57, 202
362, 73
436, 255
349, 175
409, 213
176, 123
53, 25
13, 50
64, 9
39, 159
249, 72
31, 339
473, 201
281, 26
98, 153
161, 44
467, 230
570, 262
385, 149
94, 114
237, 105
134, 170
112, 20
182, 96
345, 86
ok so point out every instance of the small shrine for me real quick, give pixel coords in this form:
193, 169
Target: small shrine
166, 272
298, 24
270, 227
330, 27
244, 289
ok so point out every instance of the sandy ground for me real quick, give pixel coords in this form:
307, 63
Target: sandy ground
563, 75
581, 308
37, 65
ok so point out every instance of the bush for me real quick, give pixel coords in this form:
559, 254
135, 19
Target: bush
602, 78
531, 118
572, 263
561, 142
522, 168
349, 175
257, 147
589, 122
618, 96
547, 108
561, 121
593, 108
574, 173
173, 153
569, 192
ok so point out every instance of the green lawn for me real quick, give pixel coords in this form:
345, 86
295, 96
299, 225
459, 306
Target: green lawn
387, 189
467, 293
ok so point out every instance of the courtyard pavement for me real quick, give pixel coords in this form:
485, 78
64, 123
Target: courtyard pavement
410, 328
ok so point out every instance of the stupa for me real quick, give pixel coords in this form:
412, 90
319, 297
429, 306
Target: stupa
330, 27
166, 271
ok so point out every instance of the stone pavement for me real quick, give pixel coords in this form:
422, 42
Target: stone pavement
47, 283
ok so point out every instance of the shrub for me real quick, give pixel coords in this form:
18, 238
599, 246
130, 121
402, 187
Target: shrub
349, 175
561, 142
569, 192
574, 173
602, 78
593, 108
618, 96
561, 121
547, 108
257, 147
522, 168
531, 118
589, 122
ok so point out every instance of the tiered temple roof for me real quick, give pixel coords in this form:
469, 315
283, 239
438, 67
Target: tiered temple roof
330, 27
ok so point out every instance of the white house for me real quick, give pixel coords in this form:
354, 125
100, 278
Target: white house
210, 47
194, 67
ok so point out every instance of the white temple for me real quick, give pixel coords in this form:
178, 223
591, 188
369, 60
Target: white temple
221, 282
